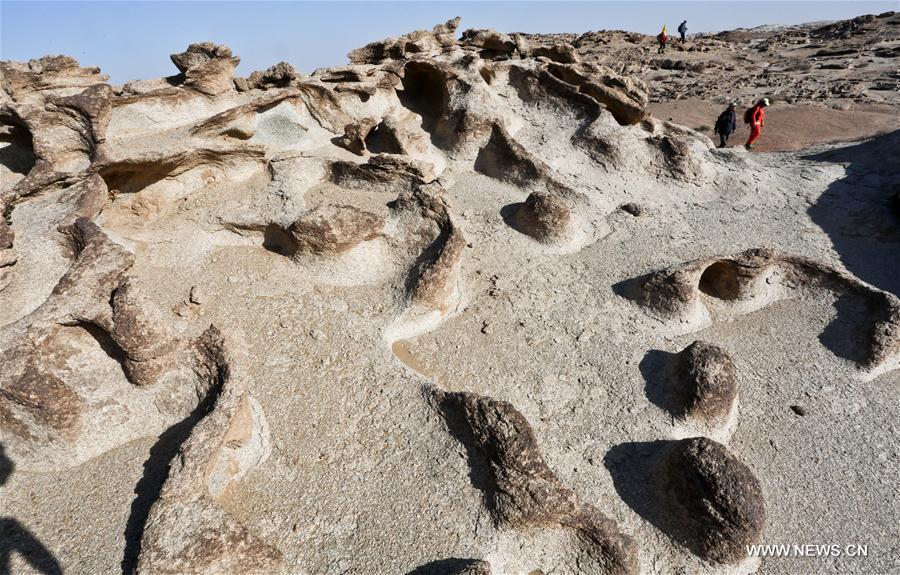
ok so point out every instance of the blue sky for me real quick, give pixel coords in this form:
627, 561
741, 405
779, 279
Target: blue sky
129, 40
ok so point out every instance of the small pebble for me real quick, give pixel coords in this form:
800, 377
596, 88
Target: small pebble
799, 410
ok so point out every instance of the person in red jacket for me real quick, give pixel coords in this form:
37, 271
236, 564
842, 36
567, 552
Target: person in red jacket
757, 121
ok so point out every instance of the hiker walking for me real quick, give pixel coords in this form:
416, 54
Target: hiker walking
726, 124
756, 117
662, 40
682, 29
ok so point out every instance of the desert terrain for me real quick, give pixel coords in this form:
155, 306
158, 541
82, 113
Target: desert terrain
473, 303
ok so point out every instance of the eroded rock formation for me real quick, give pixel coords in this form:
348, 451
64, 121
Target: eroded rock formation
135, 216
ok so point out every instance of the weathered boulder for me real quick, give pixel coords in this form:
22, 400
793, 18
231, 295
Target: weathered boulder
46, 399
332, 230
138, 329
717, 499
354, 138
524, 492
490, 42
707, 382
278, 76
559, 52
383, 172
544, 217
207, 67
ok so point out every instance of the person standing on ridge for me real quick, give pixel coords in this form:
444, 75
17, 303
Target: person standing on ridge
682, 29
756, 117
726, 124
662, 40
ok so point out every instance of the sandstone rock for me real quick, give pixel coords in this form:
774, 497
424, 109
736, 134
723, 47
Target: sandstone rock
559, 52
382, 172
354, 138
626, 98
207, 67
523, 492
140, 332
544, 217
490, 42
187, 531
707, 381
42, 395
718, 499
332, 230
507, 160
277, 76
418, 42
200, 538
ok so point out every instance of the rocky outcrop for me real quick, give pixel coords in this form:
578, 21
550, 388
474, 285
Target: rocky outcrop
37, 396
354, 138
718, 500
278, 76
757, 277
382, 173
423, 42
435, 277
505, 159
187, 531
625, 97
207, 67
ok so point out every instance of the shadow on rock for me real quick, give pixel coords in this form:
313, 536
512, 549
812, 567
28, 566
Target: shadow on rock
842, 336
15, 538
638, 471
450, 566
508, 213
658, 370
858, 212
156, 470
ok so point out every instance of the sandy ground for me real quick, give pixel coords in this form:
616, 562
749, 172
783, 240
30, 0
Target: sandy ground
788, 127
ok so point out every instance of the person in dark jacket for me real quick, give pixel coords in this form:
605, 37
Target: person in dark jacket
682, 29
726, 124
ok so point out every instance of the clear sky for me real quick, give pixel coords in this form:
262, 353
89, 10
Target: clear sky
130, 40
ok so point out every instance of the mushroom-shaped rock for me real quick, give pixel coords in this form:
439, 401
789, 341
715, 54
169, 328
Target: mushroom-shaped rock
707, 381
716, 498
544, 217
207, 67
332, 230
